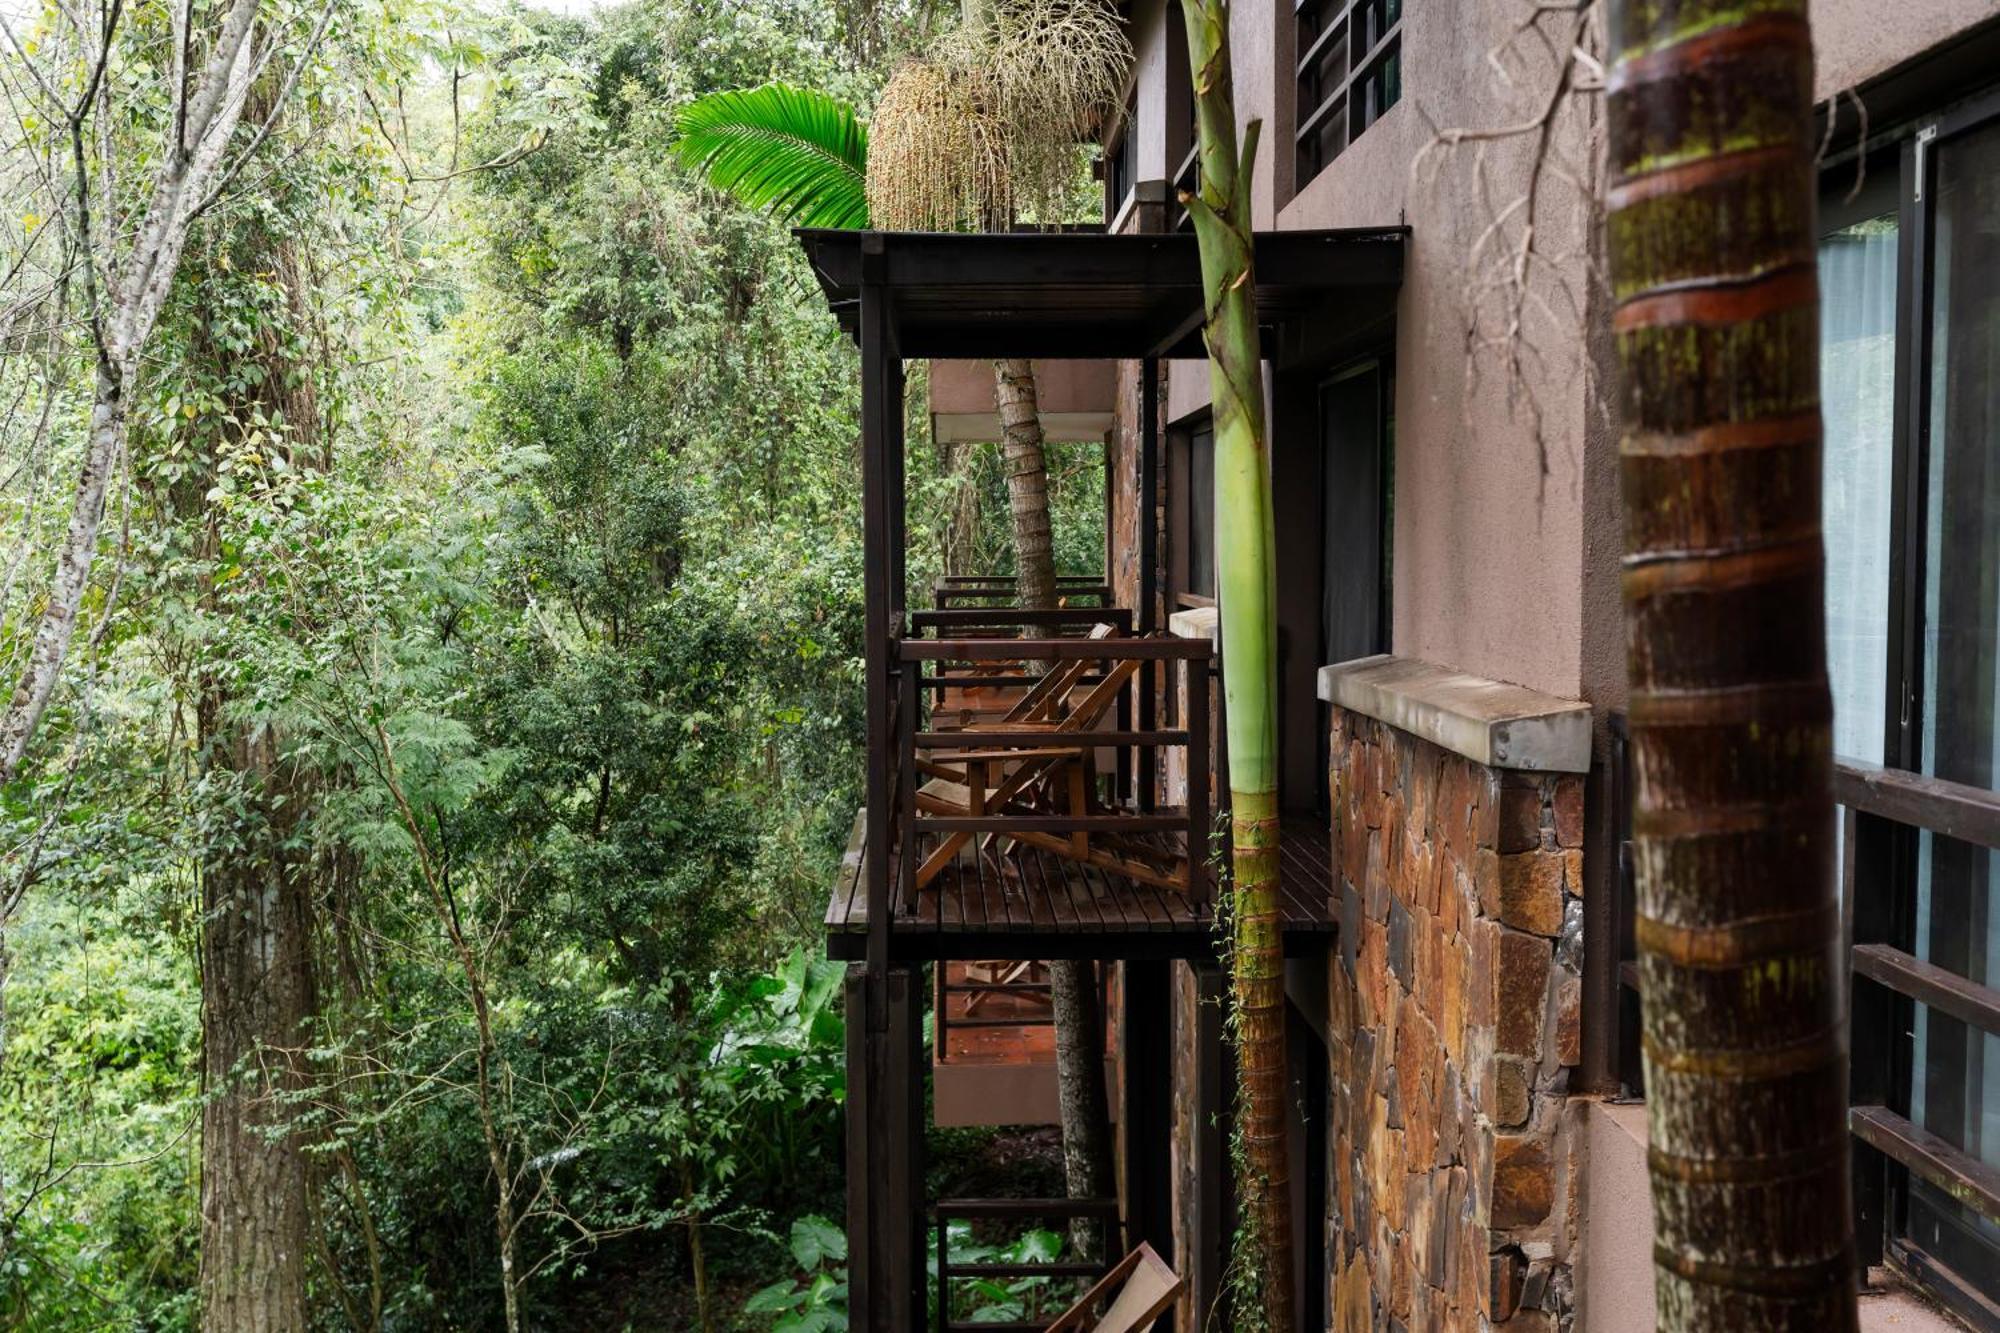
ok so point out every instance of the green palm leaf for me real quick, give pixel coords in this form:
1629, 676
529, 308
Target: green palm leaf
799, 153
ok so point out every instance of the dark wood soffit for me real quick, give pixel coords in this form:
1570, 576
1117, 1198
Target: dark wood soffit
1092, 294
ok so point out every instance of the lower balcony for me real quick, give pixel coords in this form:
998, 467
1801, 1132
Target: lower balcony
1024, 901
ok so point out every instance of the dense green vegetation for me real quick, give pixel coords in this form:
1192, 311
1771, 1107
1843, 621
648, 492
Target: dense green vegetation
480, 583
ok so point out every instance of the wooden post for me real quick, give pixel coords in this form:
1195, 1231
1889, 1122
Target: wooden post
885, 1154
1868, 904
1149, 581
1145, 1111
876, 410
1197, 780
1213, 1202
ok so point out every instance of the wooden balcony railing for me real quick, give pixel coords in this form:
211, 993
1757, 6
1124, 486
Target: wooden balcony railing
1014, 1213
961, 590
1883, 813
1109, 819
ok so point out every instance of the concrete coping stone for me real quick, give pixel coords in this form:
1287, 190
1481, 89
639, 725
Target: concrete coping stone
1487, 721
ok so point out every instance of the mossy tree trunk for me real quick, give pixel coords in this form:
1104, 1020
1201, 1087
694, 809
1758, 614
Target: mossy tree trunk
1712, 258
1246, 579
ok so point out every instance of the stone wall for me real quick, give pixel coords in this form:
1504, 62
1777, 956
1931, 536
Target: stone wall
1453, 1031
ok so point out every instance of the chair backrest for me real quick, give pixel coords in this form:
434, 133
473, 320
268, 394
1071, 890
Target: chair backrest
1144, 1297
1140, 1288
1050, 691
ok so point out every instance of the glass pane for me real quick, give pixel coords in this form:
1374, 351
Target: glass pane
1201, 510
1857, 275
1955, 1090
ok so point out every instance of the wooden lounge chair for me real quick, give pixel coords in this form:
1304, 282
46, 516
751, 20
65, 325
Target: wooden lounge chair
1135, 1293
1050, 772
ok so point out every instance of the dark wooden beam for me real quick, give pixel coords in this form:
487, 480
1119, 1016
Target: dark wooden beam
1930, 985
1952, 809
1965, 1178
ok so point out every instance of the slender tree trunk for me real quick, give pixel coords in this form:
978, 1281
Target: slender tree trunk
1711, 248
1080, 1092
256, 996
1246, 575
257, 990
121, 321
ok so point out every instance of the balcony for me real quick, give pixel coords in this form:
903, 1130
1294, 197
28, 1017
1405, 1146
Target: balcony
1024, 810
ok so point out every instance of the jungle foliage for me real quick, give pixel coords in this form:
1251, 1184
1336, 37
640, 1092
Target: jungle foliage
492, 476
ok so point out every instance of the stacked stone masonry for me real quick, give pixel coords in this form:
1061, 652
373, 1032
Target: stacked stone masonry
1453, 1032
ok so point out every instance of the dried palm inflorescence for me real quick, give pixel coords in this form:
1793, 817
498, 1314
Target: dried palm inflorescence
1057, 69
990, 125
937, 156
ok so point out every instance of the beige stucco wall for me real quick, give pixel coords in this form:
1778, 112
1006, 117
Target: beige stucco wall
1506, 524
1854, 40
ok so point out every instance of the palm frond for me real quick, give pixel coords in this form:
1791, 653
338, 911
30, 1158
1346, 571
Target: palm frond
799, 153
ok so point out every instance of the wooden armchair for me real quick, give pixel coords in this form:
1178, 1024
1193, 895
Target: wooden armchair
1050, 772
1137, 1291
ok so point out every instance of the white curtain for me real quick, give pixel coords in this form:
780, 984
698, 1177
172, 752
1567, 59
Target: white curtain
1857, 273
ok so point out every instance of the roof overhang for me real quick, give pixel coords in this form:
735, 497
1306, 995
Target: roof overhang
1091, 294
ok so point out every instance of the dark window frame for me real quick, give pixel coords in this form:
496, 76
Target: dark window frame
1183, 147
1916, 152
1881, 855
1346, 72
1121, 160
1183, 591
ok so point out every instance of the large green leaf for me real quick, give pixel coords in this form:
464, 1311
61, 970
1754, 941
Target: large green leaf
799, 153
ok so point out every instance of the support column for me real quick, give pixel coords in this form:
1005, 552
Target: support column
1145, 1106
1202, 1075
885, 1155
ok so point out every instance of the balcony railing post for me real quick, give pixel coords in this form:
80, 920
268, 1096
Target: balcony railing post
1197, 779
1867, 878
906, 768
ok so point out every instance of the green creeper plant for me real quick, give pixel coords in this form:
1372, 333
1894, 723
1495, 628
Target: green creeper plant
1246, 580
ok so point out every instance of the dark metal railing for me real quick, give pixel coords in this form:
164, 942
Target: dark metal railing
1045, 1211
1883, 812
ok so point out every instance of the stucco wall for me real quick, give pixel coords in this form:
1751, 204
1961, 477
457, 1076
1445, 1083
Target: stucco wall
1504, 444
1854, 40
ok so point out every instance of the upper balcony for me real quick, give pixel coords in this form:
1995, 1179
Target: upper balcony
1041, 783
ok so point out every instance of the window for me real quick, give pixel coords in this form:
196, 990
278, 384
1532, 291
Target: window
1183, 149
1910, 375
1121, 161
1349, 71
1955, 1090
1191, 513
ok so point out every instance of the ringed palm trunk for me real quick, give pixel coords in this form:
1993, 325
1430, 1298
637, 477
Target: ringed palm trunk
1246, 579
1080, 1093
1711, 250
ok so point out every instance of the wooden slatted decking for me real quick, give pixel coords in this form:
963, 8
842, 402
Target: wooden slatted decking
1033, 904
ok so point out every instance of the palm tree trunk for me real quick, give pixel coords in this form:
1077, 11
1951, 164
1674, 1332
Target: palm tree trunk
1711, 246
1080, 1092
1246, 577
1027, 480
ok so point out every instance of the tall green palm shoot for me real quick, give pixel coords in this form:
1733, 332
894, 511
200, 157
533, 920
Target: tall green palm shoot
1246, 576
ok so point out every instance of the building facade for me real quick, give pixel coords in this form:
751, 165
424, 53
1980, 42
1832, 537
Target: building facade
1470, 1145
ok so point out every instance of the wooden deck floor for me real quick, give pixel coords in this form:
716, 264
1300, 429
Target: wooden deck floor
1030, 903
